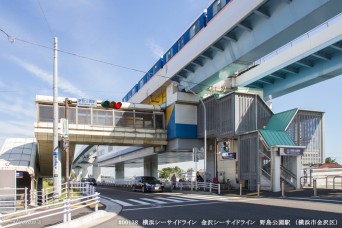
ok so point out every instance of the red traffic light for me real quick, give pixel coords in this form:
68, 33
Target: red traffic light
111, 104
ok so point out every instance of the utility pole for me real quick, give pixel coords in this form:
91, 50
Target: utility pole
67, 102
56, 155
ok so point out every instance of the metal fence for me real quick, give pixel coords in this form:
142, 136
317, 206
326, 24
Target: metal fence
180, 185
101, 117
43, 203
322, 182
18, 199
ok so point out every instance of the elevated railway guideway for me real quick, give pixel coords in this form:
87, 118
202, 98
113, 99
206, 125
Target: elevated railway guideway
311, 58
233, 35
132, 125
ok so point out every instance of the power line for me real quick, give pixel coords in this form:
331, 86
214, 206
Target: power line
48, 25
95, 60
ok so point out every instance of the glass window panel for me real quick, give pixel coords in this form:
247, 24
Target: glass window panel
84, 116
159, 120
143, 120
124, 119
45, 113
72, 115
103, 117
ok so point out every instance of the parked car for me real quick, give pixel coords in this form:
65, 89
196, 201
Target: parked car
147, 184
91, 181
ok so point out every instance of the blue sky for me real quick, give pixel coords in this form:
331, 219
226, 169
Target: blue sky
133, 34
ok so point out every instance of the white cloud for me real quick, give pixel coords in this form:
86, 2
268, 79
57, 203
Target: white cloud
15, 129
156, 49
47, 77
17, 109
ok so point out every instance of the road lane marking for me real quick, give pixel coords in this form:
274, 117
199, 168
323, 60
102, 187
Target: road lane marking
121, 202
172, 200
153, 200
140, 202
184, 199
167, 206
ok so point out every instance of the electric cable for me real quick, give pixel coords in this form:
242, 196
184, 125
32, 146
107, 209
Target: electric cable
46, 21
96, 60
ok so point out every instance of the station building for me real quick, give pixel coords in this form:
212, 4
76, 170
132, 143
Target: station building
246, 142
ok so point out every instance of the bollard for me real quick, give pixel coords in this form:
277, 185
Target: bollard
258, 187
25, 198
43, 197
240, 189
97, 201
210, 187
69, 210
315, 188
65, 216
219, 189
282, 189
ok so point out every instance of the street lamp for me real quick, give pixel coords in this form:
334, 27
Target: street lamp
205, 131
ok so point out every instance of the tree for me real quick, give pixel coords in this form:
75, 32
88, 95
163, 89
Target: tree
167, 172
190, 170
329, 160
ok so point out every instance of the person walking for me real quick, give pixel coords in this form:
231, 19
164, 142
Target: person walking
174, 181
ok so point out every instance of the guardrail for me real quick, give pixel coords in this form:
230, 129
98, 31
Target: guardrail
65, 208
325, 183
191, 185
11, 199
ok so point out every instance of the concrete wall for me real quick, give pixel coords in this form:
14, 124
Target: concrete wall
226, 168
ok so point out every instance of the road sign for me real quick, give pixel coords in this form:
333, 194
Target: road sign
86, 102
64, 128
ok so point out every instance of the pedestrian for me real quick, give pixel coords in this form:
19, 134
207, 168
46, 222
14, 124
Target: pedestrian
199, 178
215, 180
173, 181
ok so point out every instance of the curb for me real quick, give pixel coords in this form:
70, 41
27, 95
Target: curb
95, 218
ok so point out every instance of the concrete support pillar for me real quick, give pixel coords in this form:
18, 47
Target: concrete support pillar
97, 172
210, 166
119, 171
84, 171
151, 166
276, 162
298, 160
33, 186
78, 173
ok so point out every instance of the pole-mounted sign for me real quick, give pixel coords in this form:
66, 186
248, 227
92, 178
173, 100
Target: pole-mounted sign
64, 128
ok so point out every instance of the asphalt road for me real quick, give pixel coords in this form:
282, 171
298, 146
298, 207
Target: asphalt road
175, 209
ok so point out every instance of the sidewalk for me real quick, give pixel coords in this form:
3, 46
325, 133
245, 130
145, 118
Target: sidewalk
108, 211
300, 193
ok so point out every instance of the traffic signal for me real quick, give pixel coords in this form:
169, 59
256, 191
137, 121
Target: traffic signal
111, 104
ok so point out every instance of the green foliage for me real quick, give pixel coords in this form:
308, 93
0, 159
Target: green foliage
329, 160
167, 172
190, 170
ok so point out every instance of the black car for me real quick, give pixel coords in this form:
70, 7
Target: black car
147, 184
91, 181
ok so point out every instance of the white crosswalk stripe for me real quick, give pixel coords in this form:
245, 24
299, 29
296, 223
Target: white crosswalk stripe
153, 200
121, 202
139, 202
184, 199
174, 199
